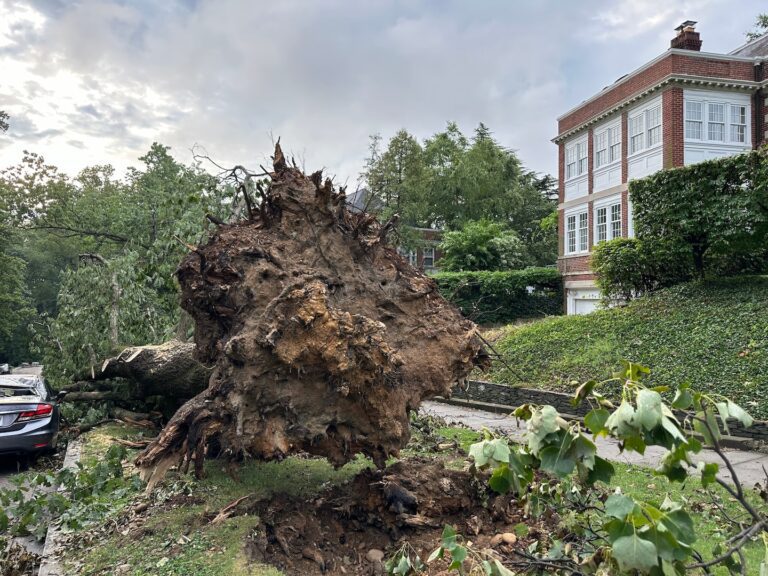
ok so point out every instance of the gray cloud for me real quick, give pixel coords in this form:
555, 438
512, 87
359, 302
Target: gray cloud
232, 74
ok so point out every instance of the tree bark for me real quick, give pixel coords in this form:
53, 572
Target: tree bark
321, 336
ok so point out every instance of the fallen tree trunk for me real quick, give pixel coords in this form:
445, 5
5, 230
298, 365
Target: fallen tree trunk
162, 369
322, 337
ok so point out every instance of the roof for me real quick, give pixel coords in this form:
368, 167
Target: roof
753, 49
20, 380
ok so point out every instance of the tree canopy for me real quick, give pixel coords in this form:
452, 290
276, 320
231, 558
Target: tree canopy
761, 27
451, 179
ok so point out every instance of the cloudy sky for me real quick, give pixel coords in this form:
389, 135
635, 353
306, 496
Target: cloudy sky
97, 81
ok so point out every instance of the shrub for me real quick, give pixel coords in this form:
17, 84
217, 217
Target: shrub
488, 297
482, 245
628, 267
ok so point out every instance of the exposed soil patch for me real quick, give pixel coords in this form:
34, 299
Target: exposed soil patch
411, 501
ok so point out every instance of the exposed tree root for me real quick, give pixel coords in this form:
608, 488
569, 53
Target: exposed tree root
322, 337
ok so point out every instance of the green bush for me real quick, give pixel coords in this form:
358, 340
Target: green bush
713, 335
489, 297
628, 267
482, 245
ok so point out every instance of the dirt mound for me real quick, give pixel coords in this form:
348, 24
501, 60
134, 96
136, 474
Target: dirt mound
343, 530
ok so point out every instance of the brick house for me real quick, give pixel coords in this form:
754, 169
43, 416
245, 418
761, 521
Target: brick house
682, 107
427, 256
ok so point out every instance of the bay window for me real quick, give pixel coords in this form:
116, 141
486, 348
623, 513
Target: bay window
716, 120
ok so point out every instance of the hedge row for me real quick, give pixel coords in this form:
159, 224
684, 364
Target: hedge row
492, 297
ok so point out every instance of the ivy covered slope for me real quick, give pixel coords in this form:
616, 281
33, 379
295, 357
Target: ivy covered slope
713, 335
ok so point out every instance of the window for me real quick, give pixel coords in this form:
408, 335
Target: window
738, 124
607, 146
428, 259
576, 233
636, 134
616, 221
608, 222
601, 148
576, 159
653, 123
693, 120
409, 255
716, 122
570, 226
582, 153
614, 143
602, 224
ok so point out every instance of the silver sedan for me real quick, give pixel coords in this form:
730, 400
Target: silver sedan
29, 415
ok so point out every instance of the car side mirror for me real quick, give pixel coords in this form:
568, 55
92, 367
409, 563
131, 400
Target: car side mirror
60, 396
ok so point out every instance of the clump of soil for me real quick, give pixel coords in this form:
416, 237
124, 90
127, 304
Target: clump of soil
410, 501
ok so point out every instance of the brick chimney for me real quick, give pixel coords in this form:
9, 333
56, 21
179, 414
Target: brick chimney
687, 38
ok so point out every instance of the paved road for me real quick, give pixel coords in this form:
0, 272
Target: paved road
749, 466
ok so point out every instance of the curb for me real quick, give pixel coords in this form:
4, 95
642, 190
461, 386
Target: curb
735, 442
49, 565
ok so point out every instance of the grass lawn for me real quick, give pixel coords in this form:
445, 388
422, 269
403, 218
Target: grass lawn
178, 539
713, 335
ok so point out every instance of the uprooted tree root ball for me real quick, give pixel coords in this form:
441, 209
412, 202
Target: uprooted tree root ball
322, 337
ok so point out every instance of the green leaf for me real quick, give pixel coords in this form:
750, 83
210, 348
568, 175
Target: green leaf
708, 473
683, 398
740, 414
542, 423
449, 537
711, 433
502, 480
634, 443
635, 553
680, 524
437, 553
557, 458
602, 471
620, 423
619, 506
582, 392
648, 412
458, 555
595, 420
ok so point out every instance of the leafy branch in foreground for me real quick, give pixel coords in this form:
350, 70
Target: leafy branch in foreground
610, 532
71, 498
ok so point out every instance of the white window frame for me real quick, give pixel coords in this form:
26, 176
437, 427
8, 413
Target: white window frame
607, 140
576, 159
644, 127
576, 229
431, 251
606, 216
694, 119
409, 255
730, 123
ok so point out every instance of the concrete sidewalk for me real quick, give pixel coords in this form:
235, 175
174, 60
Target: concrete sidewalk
749, 466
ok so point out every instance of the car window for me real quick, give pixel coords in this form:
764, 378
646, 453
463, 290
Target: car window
8, 391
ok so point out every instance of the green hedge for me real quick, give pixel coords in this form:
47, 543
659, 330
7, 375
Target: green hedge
713, 335
629, 267
490, 297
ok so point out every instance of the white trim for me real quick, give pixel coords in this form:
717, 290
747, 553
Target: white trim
749, 86
659, 58
606, 204
578, 231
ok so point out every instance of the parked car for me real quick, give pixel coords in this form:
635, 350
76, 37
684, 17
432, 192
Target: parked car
5, 368
29, 415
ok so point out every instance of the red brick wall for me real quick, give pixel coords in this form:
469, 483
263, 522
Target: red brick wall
672, 127
577, 277
625, 146
671, 64
574, 264
560, 233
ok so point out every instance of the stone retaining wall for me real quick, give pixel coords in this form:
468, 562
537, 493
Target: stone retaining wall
512, 396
